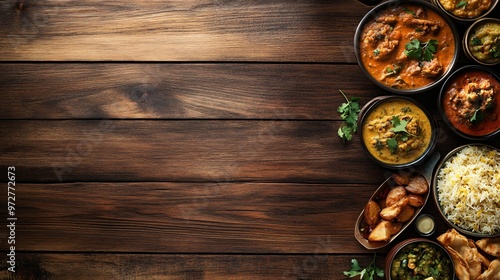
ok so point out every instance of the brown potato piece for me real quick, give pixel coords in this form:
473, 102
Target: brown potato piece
395, 195
406, 214
371, 214
490, 246
415, 200
417, 185
395, 227
401, 179
391, 212
382, 232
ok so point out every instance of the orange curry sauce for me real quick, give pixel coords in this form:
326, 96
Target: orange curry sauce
383, 45
463, 96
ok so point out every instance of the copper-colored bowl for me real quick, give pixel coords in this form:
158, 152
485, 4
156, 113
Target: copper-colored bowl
425, 170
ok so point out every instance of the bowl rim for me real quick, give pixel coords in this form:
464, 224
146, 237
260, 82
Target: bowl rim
435, 194
395, 250
465, 20
465, 44
369, 107
440, 107
395, 3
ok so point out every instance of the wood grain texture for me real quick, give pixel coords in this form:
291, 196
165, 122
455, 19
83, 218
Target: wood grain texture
179, 91
261, 218
125, 150
180, 267
190, 30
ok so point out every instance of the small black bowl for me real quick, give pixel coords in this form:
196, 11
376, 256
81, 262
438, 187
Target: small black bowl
379, 103
479, 130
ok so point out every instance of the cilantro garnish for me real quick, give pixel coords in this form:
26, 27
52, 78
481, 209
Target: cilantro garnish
392, 144
349, 113
476, 41
462, 4
477, 117
421, 51
368, 273
376, 52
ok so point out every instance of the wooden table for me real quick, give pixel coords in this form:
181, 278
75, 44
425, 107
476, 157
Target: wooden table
192, 139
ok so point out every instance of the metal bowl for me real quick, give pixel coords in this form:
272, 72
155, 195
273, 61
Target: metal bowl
400, 247
470, 42
436, 196
383, 101
389, 5
479, 130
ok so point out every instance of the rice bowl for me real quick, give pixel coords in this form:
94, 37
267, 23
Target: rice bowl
467, 189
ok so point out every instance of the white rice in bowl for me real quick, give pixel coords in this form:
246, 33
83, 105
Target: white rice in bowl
468, 189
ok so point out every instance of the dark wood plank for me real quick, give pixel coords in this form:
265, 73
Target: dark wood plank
179, 91
188, 217
191, 30
209, 267
125, 150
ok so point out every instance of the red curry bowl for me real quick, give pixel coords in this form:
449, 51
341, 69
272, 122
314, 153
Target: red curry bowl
469, 102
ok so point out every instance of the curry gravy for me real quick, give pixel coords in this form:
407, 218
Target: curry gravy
383, 44
378, 128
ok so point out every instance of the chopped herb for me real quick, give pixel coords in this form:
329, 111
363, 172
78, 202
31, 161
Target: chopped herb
394, 70
349, 113
392, 143
421, 51
368, 273
400, 125
405, 109
476, 41
477, 117
408, 11
462, 4
378, 144
376, 52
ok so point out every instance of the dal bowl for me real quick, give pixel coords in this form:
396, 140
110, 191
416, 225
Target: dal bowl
406, 47
466, 188
481, 42
396, 132
466, 11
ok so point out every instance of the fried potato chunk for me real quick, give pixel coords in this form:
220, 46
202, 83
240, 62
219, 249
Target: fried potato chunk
395, 195
382, 232
406, 214
371, 213
417, 184
415, 200
490, 246
391, 212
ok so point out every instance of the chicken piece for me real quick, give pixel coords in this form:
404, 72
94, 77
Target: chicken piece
432, 68
382, 232
391, 212
395, 195
423, 25
493, 271
417, 185
371, 213
490, 245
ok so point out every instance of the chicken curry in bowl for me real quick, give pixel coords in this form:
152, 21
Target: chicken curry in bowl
406, 47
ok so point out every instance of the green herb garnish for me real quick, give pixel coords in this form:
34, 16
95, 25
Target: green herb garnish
349, 113
368, 273
421, 51
477, 117
462, 4
376, 52
392, 144
400, 125
476, 41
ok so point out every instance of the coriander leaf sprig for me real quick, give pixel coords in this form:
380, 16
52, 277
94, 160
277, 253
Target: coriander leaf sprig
422, 51
349, 113
368, 273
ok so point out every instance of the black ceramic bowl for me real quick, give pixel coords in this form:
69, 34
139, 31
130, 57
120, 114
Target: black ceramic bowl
460, 101
477, 41
395, 259
456, 189
381, 120
384, 61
